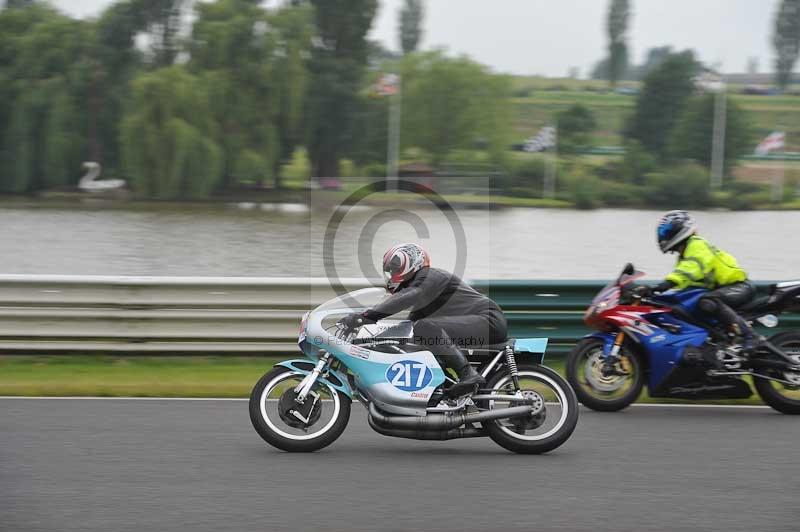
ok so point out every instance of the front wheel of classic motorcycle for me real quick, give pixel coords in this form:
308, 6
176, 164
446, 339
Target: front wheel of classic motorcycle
599, 387
291, 426
783, 396
548, 426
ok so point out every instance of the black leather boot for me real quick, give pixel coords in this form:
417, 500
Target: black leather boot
468, 378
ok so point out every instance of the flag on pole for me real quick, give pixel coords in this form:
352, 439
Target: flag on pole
773, 141
388, 85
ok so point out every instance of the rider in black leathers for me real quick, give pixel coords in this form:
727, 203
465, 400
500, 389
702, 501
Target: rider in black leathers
448, 314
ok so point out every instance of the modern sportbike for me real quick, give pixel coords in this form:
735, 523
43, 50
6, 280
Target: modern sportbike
664, 342
304, 405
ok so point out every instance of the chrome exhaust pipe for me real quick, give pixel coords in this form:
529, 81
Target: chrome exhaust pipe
444, 421
452, 434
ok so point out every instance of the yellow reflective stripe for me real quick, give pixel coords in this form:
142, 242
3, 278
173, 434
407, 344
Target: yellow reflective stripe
688, 275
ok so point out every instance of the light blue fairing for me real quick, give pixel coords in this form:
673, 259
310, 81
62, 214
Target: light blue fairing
663, 349
531, 345
344, 388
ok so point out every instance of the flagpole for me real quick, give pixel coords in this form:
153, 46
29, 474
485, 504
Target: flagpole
393, 147
549, 188
718, 144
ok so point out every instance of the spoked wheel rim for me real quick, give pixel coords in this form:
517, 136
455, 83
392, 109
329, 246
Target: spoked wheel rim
269, 404
593, 379
543, 391
790, 392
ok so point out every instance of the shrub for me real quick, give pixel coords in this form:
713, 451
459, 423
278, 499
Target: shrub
299, 168
615, 194
678, 187
575, 126
582, 188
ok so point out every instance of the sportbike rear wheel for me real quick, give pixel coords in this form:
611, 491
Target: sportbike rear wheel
782, 396
555, 410
290, 426
597, 387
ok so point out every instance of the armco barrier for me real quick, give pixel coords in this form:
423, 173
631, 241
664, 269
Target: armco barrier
177, 315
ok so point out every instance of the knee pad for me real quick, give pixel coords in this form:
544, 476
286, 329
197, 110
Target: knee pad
708, 305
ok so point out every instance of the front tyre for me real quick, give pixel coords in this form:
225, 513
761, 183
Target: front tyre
599, 387
285, 424
552, 422
783, 397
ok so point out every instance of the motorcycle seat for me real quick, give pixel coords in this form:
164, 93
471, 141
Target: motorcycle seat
494, 348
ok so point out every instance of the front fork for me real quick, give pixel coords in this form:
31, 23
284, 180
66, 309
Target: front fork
302, 390
613, 357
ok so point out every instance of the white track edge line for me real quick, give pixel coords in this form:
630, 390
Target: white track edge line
95, 398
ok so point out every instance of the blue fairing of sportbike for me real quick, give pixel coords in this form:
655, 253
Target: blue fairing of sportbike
688, 299
663, 349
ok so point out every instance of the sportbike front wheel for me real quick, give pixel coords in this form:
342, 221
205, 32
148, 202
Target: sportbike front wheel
554, 416
599, 387
295, 427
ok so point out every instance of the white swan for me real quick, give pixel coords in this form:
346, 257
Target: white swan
89, 184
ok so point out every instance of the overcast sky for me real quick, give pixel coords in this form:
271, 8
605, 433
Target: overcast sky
549, 36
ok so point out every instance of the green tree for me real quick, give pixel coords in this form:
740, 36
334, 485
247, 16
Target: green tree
618, 16
664, 95
168, 134
454, 103
43, 80
294, 30
653, 59
693, 136
678, 187
786, 40
337, 66
255, 63
575, 127
410, 29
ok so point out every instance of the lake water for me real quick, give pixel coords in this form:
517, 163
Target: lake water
288, 241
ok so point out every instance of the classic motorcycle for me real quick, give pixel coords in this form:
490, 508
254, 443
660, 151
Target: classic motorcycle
304, 405
665, 342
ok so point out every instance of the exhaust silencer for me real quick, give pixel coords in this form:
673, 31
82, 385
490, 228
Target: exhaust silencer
443, 421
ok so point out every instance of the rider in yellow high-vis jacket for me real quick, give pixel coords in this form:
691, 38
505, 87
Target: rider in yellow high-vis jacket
703, 265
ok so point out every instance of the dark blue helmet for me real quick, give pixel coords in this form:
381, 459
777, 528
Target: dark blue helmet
673, 228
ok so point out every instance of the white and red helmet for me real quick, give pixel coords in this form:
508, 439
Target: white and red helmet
401, 262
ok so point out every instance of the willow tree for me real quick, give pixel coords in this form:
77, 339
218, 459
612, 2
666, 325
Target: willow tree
254, 60
454, 103
43, 80
337, 64
168, 136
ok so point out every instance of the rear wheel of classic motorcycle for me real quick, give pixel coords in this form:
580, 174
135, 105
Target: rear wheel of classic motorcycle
597, 387
781, 396
548, 426
295, 427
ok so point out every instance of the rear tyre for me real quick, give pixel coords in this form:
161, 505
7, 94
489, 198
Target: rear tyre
782, 397
543, 431
595, 390
271, 402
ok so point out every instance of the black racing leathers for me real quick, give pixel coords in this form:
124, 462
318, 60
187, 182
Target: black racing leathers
723, 302
448, 314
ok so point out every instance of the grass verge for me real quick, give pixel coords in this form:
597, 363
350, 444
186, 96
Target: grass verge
149, 376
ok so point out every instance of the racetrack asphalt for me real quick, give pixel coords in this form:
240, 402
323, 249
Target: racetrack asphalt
166, 465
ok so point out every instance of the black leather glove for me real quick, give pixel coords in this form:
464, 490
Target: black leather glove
663, 286
352, 321
642, 291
